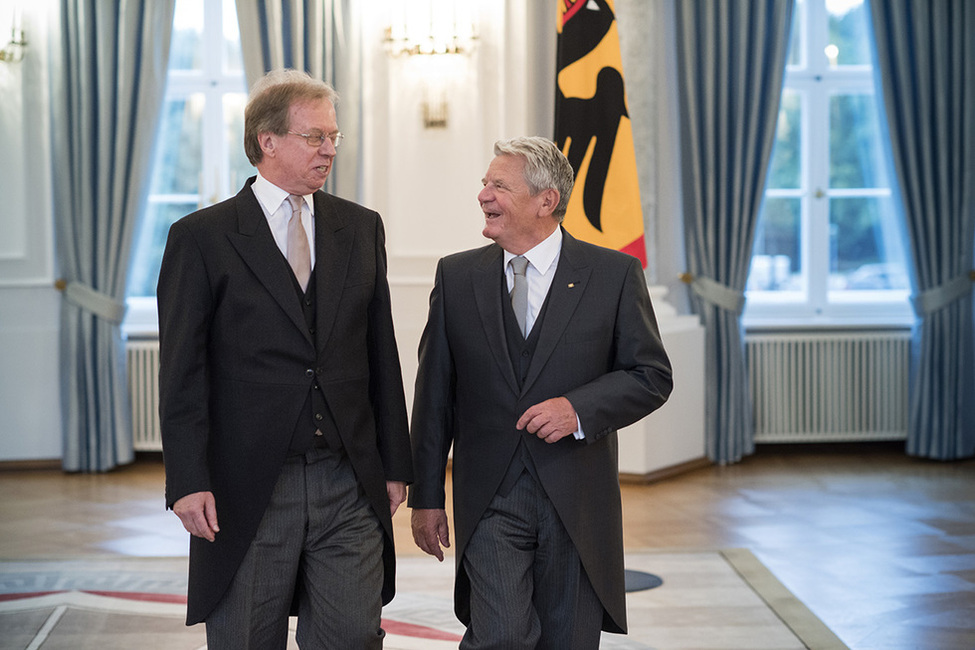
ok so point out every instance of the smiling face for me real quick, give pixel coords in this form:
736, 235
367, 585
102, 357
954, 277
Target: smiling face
289, 161
513, 218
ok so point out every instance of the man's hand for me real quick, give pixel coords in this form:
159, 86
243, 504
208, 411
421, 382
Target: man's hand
198, 512
550, 420
430, 530
396, 490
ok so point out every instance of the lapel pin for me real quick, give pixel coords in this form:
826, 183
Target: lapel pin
572, 284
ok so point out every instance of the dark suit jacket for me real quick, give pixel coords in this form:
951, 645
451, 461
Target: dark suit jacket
599, 346
238, 362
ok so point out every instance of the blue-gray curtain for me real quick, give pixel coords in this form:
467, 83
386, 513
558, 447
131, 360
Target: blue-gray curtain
322, 38
730, 65
107, 83
926, 61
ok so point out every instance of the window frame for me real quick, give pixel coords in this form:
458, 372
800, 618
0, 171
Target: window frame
816, 82
214, 81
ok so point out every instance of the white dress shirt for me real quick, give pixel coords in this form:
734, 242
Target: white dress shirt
542, 262
543, 259
277, 210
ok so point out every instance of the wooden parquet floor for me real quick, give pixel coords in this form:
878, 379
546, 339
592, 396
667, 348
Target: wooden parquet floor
880, 546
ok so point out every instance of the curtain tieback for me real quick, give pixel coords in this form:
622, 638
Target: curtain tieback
719, 295
939, 297
96, 302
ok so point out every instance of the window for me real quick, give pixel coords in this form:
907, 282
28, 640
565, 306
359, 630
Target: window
199, 158
828, 245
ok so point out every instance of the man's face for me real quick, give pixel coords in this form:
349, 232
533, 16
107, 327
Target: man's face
289, 161
513, 218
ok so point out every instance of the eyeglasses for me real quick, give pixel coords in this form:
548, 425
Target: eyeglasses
318, 139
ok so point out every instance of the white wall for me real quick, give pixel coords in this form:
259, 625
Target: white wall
30, 420
423, 181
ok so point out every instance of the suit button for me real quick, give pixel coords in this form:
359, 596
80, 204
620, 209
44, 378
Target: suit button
308, 301
524, 353
309, 373
318, 416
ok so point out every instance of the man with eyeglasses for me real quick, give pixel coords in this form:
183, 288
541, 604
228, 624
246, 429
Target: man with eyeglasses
281, 398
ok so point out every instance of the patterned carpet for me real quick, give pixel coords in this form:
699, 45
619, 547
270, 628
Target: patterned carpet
711, 599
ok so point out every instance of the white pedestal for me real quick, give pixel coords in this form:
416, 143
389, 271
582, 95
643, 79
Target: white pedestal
673, 435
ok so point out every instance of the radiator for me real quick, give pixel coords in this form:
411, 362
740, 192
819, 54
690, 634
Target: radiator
824, 387
142, 358
805, 387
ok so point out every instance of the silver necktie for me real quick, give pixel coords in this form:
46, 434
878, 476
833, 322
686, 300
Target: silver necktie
519, 293
299, 254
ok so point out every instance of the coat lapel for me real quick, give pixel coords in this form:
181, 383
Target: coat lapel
486, 280
334, 239
568, 286
255, 244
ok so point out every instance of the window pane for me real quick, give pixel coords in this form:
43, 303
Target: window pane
233, 117
827, 242
865, 246
856, 157
776, 257
786, 164
849, 36
232, 56
797, 33
176, 169
186, 49
194, 162
149, 246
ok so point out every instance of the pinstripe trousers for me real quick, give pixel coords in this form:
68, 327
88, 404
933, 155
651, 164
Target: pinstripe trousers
318, 538
529, 589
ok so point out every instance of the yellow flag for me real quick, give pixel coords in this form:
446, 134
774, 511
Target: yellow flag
592, 127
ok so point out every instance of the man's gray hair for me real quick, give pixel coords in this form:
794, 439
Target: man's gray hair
545, 167
270, 101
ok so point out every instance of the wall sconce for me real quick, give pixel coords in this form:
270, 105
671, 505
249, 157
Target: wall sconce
429, 30
13, 52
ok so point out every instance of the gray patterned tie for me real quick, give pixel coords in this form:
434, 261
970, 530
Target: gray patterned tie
519, 292
299, 254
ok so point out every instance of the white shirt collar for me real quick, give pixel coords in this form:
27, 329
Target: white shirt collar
272, 199
270, 196
543, 255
